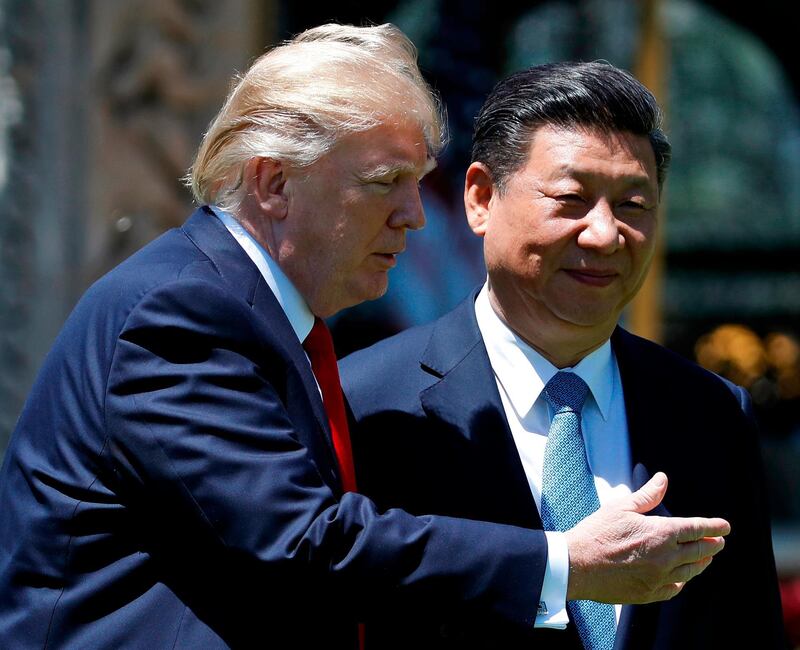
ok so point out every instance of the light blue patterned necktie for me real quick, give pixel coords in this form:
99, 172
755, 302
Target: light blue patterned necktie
569, 495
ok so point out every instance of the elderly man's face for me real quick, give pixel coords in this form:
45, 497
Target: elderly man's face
348, 214
569, 242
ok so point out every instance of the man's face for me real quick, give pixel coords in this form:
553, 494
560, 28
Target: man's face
348, 214
569, 241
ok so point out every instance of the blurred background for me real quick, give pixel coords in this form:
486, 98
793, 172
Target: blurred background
103, 102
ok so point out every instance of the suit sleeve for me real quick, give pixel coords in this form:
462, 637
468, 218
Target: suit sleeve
205, 455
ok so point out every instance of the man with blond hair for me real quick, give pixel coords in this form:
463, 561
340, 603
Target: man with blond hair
175, 479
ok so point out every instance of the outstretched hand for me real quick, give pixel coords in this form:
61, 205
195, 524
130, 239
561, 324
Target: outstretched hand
619, 555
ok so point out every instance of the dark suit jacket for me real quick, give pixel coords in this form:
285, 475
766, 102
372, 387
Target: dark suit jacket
171, 482
431, 436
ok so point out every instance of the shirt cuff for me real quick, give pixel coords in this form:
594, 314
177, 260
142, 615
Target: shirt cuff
552, 610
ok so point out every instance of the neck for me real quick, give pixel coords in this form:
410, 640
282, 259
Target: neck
270, 235
563, 344
260, 228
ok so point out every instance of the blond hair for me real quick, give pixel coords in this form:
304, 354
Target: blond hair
297, 100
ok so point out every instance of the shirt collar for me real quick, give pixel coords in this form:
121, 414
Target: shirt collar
293, 304
523, 372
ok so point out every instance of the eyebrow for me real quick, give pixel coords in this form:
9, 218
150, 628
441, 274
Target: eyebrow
391, 169
634, 180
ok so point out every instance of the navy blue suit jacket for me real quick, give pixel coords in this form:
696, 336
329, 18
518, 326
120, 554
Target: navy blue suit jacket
431, 436
171, 482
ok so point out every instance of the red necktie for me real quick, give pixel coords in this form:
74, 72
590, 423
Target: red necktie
319, 347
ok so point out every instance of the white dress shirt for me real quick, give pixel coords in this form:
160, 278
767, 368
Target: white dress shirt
521, 374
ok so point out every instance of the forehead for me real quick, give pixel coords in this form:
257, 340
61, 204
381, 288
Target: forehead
577, 151
393, 145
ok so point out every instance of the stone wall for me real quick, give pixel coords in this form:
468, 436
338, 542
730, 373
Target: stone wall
102, 104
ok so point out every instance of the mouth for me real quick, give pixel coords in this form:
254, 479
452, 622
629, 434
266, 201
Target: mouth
593, 277
388, 259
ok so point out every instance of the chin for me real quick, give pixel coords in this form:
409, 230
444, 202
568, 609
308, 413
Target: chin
378, 293
365, 295
600, 319
375, 287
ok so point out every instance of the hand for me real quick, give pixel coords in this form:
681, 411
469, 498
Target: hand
618, 555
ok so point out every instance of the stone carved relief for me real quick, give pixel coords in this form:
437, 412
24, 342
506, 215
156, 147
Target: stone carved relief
102, 103
16, 231
161, 71
10, 109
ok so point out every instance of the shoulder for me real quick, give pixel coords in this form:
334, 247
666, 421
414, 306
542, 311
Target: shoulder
396, 352
387, 373
670, 373
439, 342
170, 264
390, 375
171, 284
201, 256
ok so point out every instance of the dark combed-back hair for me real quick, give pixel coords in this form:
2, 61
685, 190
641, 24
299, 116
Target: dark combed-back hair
594, 95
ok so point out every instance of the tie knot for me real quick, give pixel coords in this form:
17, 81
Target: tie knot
319, 343
566, 391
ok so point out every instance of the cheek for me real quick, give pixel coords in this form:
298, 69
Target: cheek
525, 239
367, 218
522, 260
641, 231
642, 244
495, 251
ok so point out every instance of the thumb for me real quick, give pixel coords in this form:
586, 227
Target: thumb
649, 495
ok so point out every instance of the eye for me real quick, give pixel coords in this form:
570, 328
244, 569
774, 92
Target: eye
378, 186
383, 184
570, 204
634, 205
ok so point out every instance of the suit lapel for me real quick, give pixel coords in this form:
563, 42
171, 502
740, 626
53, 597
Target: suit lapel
640, 408
266, 305
462, 399
244, 279
638, 623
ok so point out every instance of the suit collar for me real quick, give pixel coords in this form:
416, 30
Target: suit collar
244, 279
463, 396
289, 298
242, 276
209, 234
453, 339
644, 406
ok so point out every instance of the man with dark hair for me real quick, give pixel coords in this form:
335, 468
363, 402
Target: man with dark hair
529, 405
181, 475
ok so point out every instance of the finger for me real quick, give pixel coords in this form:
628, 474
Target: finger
691, 529
647, 497
667, 591
694, 551
687, 572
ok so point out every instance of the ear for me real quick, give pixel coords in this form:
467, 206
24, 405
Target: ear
267, 179
478, 191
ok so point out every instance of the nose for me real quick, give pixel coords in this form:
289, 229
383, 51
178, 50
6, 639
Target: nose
601, 230
408, 212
